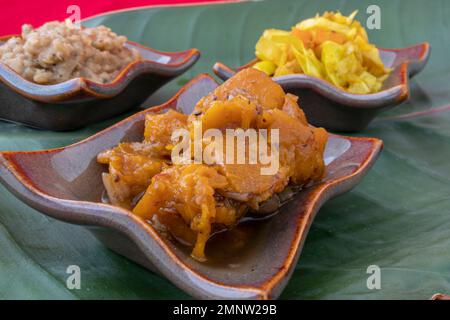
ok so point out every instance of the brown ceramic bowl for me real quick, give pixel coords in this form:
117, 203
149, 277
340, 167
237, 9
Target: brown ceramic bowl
78, 102
334, 109
66, 184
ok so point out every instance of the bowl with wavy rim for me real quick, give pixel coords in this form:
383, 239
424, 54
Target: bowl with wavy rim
337, 110
66, 184
78, 102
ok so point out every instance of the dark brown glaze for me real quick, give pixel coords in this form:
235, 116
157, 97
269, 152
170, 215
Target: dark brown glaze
78, 102
66, 184
334, 109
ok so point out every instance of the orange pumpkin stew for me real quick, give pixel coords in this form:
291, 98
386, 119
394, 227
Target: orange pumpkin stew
192, 201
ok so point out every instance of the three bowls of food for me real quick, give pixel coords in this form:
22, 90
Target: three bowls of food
206, 223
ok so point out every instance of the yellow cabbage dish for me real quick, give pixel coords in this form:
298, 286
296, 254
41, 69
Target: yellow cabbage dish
331, 47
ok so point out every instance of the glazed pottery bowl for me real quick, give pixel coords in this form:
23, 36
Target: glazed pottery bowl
78, 102
66, 184
327, 106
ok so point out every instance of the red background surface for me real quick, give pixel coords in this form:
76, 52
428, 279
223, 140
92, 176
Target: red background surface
14, 13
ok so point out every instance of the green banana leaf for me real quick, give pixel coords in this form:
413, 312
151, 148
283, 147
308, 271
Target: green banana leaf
398, 218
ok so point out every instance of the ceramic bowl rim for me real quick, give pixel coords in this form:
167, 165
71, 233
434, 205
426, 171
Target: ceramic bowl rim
395, 94
68, 89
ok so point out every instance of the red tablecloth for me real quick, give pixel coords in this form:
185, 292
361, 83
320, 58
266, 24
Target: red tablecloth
14, 13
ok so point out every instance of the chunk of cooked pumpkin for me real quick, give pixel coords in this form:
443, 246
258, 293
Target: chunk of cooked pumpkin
301, 147
238, 112
159, 128
131, 167
247, 184
188, 191
250, 83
